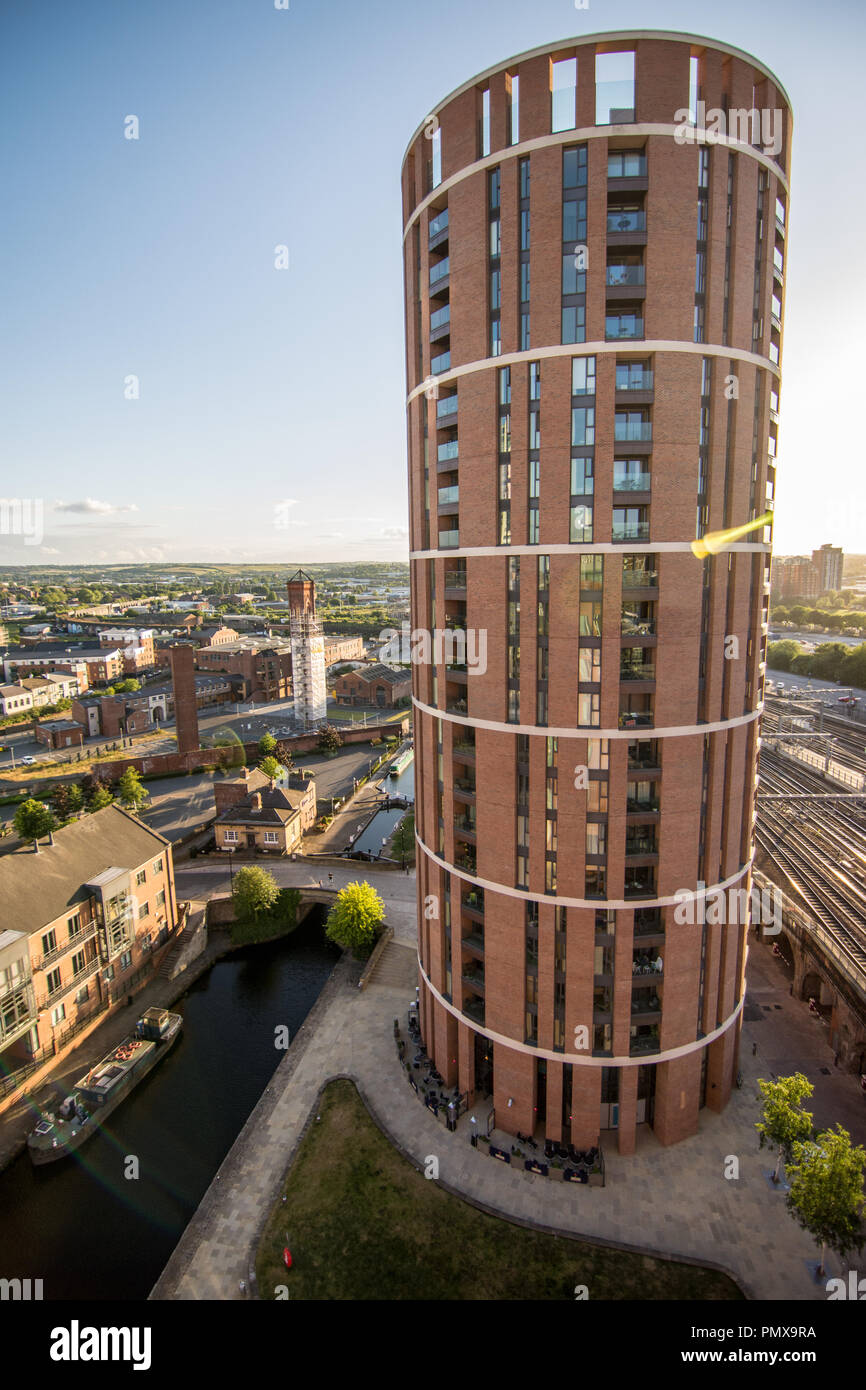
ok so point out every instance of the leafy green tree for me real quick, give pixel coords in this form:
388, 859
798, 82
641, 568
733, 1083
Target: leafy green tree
127, 687
270, 767
32, 820
781, 654
330, 740
132, 794
826, 1195
254, 890
99, 798
76, 797
853, 668
798, 614
63, 801
355, 918
267, 745
784, 1121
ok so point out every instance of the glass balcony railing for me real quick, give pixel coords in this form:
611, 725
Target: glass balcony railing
629, 380
447, 451
626, 166
643, 754
449, 540
440, 317
449, 494
632, 429
623, 326
637, 671
625, 275
639, 579
440, 270
455, 579
635, 719
442, 363
630, 531
637, 806
626, 220
438, 224
645, 1042
641, 844
445, 407
631, 482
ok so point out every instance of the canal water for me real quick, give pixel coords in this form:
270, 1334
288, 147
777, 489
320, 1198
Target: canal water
382, 825
91, 1233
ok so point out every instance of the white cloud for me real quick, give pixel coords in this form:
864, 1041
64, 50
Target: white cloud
89, 506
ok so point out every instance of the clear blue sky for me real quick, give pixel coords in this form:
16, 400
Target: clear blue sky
261, 127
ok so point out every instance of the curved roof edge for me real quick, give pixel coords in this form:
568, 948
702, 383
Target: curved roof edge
576, 42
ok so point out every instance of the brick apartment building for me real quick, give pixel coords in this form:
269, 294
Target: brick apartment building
91, 910
378, 685
343, 649
262, 667
91, 665
568, 421
136, 646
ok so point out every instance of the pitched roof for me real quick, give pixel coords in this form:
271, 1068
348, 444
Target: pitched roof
37, 888
380, 672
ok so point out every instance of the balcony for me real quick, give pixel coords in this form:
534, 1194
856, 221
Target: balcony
71, 944
640, 882
631, 379
455, 583
640, 579
640, 431
637, 620
645, 1007
449, 540
624, 531
472, 974
449, 496
641, 806
636, 719
440, 323
474, 941
440, 271
622, 326
648, 922
464, 752
626, 164
626, 220
641, 842
17, 1011
446, 411
643, 754
630, 482
644, 1041
449, 450
646, 967
621, 275
637, 671
442, 363
474, 1009
437, 230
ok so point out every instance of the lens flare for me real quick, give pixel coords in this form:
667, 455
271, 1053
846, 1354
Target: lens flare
715, 541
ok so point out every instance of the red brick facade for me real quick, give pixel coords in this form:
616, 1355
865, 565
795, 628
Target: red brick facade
631, 655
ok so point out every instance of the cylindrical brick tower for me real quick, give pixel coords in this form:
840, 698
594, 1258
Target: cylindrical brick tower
594, 270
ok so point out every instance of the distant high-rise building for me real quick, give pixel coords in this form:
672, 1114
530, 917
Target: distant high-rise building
586, 275
828, 562
308, 651
793, 577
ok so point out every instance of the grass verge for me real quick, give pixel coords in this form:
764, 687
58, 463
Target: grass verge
363, 1224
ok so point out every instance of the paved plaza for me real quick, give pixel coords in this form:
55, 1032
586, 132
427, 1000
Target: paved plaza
675, 1201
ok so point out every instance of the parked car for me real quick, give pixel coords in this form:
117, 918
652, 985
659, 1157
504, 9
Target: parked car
27, 762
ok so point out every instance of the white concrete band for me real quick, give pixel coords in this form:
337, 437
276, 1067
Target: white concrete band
598, 548
594, 349
671, 731
576, 1058
592, 132
598, 904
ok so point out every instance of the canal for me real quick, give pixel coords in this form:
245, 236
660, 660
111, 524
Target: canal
382, 825
91, 1233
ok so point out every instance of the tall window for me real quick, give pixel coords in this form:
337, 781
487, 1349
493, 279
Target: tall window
563, 84
614, 88
513, 83
436, 158
485, 122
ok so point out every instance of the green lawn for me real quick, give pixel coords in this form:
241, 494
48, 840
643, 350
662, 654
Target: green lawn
363, 1224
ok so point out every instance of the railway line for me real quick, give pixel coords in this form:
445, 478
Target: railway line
821, 848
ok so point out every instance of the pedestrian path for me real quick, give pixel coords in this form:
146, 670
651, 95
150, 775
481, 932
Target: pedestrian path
666, 1201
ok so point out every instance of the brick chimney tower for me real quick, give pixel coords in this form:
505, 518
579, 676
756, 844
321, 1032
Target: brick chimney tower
185, 709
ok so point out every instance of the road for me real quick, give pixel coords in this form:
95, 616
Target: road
783, 634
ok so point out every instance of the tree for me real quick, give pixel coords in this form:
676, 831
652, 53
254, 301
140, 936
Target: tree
270, 767
781, 654
254, 890
285, 754
33, 820
127, 687
132, 794
798, 614
66, 800
99, 798
785, 1122
826, 1196
330, 740
355, 918
267, 745
76, 797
